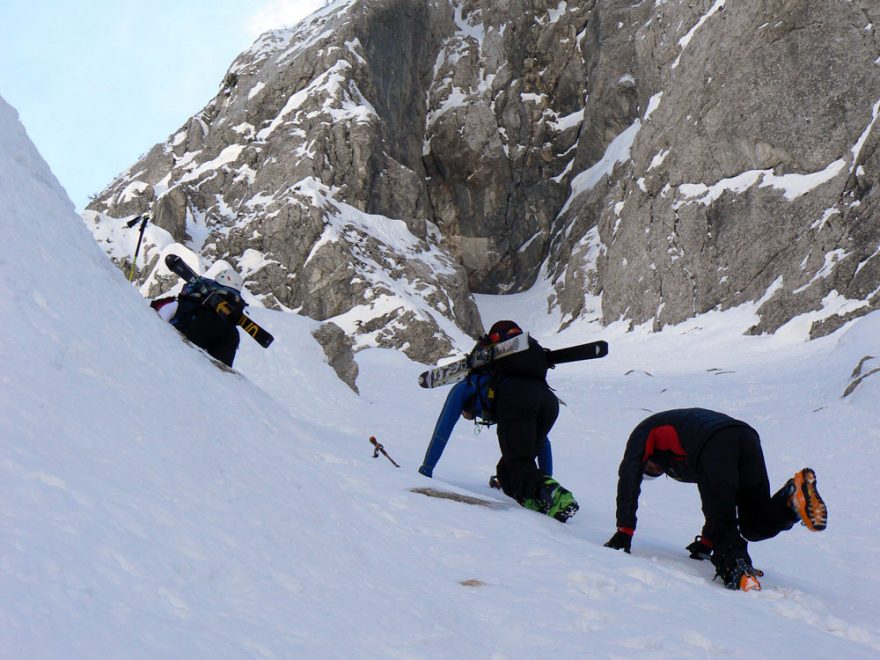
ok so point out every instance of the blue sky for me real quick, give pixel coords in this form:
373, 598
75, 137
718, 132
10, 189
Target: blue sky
98, 82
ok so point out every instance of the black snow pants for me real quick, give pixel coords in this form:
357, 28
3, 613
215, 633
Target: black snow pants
526, 410
735, 492
216, 335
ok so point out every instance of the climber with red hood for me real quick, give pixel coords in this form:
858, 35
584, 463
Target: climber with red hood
723, 456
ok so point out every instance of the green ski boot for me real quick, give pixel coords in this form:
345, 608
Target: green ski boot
553, 500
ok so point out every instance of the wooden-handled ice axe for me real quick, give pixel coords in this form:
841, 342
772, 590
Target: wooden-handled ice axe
380, 448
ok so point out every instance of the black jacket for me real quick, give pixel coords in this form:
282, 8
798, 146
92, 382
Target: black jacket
674, 439
530, 363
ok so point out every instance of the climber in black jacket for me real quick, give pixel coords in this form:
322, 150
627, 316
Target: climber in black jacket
723, 456
205, 312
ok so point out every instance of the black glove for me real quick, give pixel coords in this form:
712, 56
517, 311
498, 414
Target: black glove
620, 541
701, 548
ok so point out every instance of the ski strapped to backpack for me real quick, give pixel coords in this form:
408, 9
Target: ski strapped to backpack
457, 371
486, 394
589, 351
480, 356
178, 266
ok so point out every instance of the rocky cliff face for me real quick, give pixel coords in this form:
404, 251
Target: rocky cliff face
752, 164
384, 159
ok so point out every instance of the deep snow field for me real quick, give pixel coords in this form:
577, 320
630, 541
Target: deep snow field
154, 506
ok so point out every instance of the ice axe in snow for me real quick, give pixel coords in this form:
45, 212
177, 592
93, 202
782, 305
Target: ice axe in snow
380, 448
144, 219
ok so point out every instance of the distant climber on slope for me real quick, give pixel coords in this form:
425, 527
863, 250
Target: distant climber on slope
205, 312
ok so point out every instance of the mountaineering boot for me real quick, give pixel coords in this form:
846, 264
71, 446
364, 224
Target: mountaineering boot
563, 506
734, 566
806, 502
742, 576
553, 500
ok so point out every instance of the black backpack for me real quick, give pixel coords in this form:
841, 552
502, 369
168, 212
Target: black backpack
531, 363
204, 293
486, 397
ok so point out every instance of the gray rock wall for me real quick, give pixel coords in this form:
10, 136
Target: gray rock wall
753, 170
655, 159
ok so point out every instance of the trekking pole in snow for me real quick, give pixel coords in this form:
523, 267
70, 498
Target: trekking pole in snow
144, 219
380, 448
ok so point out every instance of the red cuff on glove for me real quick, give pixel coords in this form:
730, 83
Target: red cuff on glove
629, 531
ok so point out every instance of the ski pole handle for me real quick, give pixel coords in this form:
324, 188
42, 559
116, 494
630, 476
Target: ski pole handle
144, 219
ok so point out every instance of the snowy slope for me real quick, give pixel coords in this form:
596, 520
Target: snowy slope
155, 506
